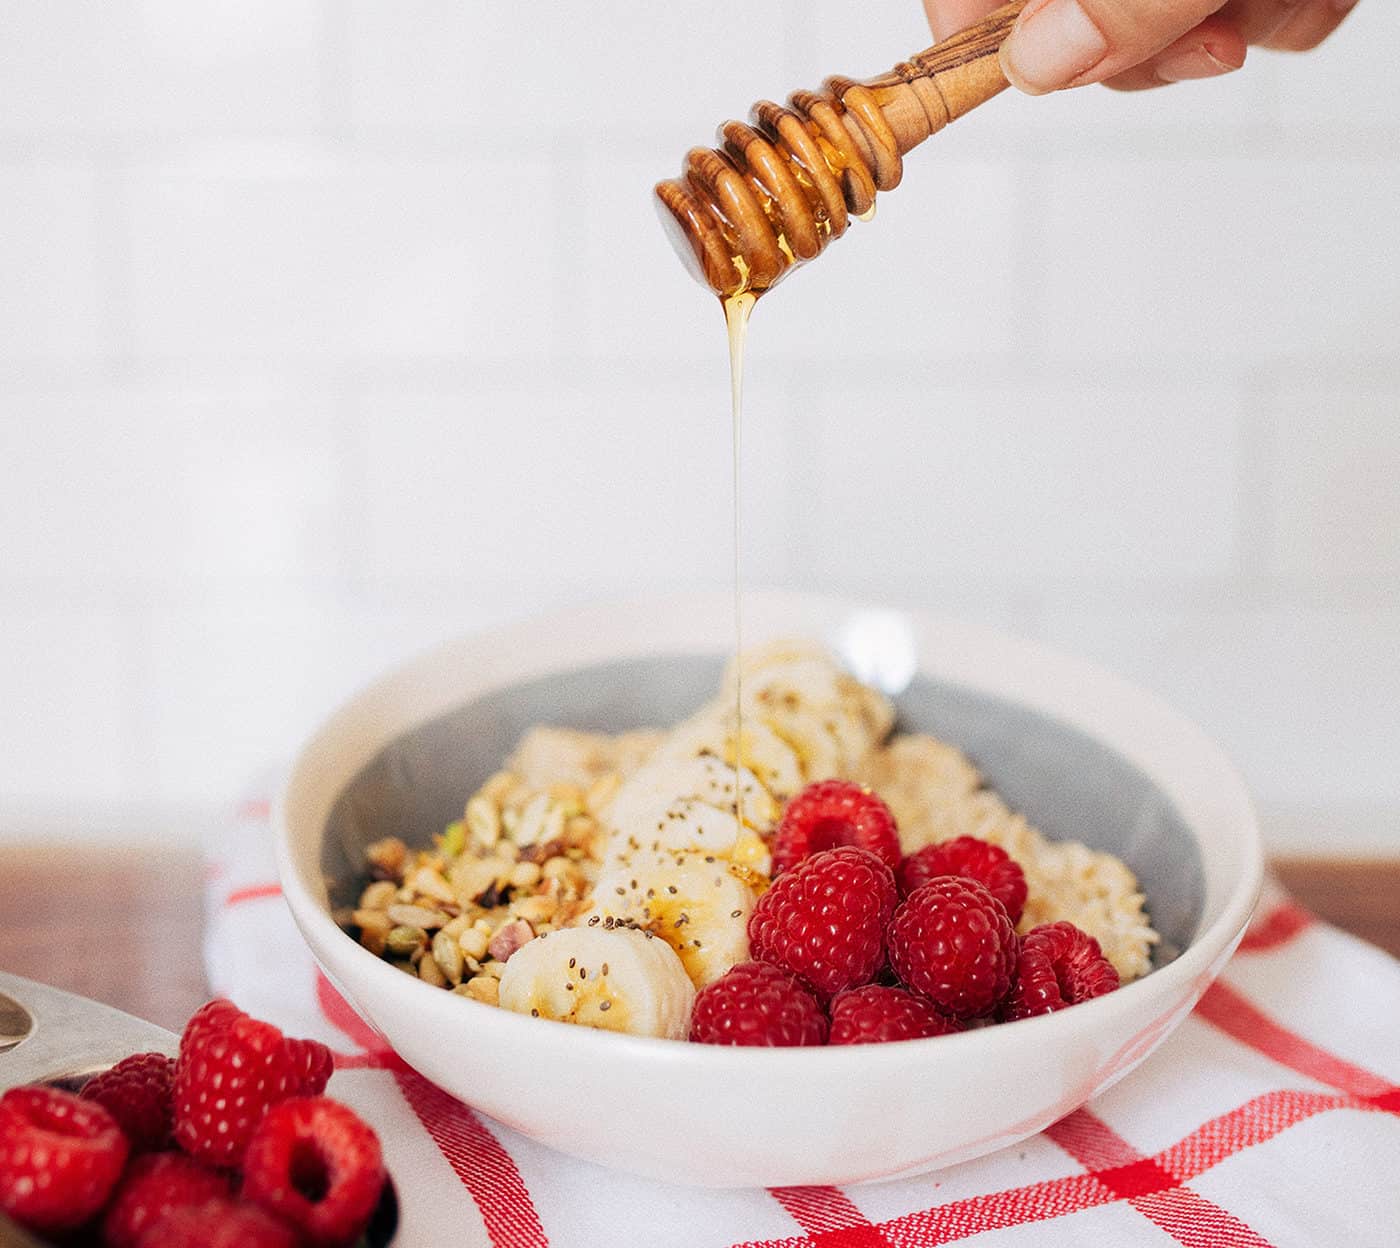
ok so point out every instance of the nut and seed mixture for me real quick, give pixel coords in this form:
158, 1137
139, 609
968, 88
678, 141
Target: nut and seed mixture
519, 863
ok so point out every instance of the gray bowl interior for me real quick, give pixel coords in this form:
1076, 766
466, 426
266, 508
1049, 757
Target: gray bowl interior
1066, 783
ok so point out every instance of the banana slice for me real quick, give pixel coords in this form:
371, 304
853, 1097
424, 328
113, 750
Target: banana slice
694, 902
773, 761
785, 652
687, 803
812, 674
822, 741
613, 978
785, 681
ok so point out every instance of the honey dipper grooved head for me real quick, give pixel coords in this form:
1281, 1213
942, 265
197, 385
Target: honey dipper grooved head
783, 185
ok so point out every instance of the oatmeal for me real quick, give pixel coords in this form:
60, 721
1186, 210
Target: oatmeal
603, 880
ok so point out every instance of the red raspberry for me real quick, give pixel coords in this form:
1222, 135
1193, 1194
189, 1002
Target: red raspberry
136, 1092
315, 1164
825, 919
988, 864
313, 1063
832, 813
757, 1004
1057, 965
952, 941
230, 1071
152, 1186
874, 1013
60, 1156
217, 1223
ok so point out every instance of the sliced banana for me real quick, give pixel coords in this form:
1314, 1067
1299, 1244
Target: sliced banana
694, 902
827, 744
614, 979
805, 696
798, 675
783, 653
686, 803
773, 761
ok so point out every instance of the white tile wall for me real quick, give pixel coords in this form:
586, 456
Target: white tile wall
327, 331
1349, 82
235, 681
1089, 484
167, 488
1335, 505
1303, 697
933, 277
294, 254
558, 491
157, 66
66, 689
51, 288
561, 68
1245, 258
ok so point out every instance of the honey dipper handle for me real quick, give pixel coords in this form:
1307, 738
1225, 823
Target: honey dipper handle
923, 94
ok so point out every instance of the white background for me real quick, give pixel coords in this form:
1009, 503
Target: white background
329, 329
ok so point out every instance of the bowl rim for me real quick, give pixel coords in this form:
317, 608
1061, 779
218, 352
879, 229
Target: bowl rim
362, 721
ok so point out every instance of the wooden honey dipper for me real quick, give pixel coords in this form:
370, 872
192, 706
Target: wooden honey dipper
776, 191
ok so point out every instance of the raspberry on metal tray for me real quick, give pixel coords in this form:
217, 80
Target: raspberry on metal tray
60, 1157
154, 1185
314, 1142
231, 1070
136, 1092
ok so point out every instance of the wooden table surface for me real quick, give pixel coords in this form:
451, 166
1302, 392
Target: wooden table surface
125, 929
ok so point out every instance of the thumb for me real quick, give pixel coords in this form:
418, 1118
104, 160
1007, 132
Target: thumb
1067, 43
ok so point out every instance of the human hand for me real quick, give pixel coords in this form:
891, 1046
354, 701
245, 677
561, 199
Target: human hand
1134, 44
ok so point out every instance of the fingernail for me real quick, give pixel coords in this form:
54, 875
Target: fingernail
1194, 63
1051, 47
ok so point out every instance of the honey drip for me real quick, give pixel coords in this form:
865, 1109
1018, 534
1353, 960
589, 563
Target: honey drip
778, 190
736, 318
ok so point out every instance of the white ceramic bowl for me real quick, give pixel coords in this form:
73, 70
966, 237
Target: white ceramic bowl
1063, 739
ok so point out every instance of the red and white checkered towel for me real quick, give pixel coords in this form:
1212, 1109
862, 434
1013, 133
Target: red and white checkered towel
1271, 1117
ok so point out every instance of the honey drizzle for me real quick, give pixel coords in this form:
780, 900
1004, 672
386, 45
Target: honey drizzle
736, 319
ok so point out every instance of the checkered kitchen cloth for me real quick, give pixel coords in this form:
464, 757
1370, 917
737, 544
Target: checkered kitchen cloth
1271, 1117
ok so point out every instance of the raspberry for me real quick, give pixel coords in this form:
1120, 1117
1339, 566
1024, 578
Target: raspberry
757, 1004
60, 1156
874, 1013
1057, 965
825, 919
313, 1064
217, 1223
952, 941
230, 1071
832, 813
136, 1092
315, 1164
152, 1186
988, 864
